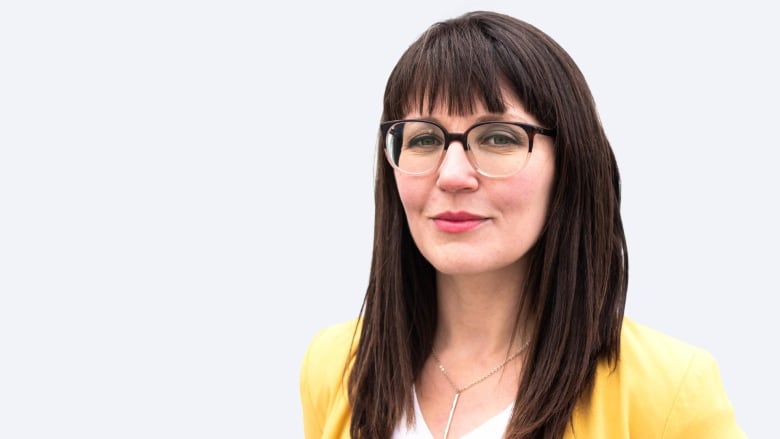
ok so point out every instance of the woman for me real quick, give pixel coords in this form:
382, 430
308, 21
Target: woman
499, 273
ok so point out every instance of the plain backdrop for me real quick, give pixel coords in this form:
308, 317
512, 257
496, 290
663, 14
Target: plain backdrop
186, 196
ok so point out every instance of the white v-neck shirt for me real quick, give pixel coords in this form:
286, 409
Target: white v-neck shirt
493, 428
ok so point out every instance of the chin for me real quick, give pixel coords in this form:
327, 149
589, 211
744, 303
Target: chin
470, 268
472, 265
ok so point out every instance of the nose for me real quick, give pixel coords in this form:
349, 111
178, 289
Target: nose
456, 173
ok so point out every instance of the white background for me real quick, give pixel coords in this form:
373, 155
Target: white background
182, 208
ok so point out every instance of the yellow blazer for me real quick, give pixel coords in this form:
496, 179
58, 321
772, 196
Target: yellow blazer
662, 388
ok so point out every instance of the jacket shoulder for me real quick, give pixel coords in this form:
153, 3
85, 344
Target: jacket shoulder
660, 387
648, 353
333, 342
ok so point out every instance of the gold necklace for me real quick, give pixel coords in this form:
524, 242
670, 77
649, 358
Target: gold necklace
459, 390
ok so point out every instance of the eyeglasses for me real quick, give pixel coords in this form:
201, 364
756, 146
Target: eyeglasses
495, 149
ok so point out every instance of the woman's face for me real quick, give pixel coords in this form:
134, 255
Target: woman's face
466, 223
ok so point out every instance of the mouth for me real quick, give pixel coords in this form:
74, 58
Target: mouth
457, 222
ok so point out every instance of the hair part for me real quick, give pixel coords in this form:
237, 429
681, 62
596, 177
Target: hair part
578, 272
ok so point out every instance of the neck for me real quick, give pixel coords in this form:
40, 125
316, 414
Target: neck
478, 313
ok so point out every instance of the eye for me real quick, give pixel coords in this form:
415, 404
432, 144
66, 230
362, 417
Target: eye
499, 140
424, 141
498, 137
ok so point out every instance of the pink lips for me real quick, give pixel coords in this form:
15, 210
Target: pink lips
457, 222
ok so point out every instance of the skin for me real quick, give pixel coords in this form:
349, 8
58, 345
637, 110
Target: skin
479, 271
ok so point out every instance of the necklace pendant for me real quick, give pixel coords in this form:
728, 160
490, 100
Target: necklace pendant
459, 390
452, 412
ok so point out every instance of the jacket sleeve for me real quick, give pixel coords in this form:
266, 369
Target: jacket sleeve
701, 408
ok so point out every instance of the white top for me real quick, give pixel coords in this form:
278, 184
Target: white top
493, 428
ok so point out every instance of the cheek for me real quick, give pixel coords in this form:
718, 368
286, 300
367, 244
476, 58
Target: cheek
522, 193
529, 197
411, 192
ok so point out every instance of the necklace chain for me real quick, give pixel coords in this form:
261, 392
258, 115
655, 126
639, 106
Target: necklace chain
490, 373
459, 390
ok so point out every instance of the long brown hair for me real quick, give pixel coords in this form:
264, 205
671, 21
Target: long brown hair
577, 280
